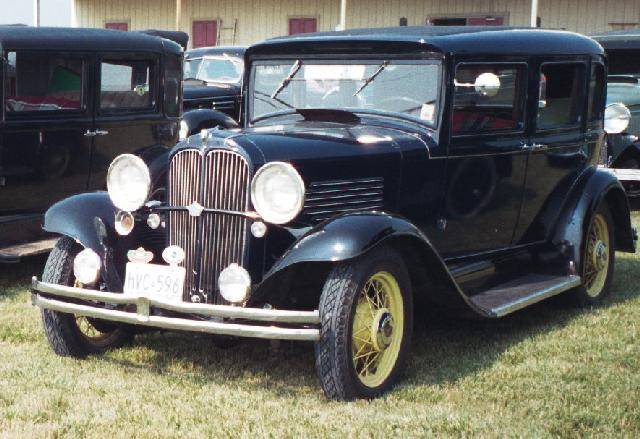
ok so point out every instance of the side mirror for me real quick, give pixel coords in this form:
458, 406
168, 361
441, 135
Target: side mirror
616, 118
487, 84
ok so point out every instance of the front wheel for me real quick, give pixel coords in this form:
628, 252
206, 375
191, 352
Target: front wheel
70, 335
366, 314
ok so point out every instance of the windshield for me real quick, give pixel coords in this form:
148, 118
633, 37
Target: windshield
408, 88
224, 68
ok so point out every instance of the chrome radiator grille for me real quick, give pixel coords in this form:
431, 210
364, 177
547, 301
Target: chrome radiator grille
212, 241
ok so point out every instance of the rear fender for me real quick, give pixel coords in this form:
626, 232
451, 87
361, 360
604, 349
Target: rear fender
598, 186
354, 235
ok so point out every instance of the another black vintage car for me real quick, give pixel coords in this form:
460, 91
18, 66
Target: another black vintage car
212, 81
623, 103
72, 101
378, 173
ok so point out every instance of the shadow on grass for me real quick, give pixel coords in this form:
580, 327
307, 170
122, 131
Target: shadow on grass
16, 278
443, 350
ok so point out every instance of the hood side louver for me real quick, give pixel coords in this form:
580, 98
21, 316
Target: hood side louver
326, 199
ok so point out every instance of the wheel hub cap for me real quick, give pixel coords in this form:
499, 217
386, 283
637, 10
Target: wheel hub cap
600, 255
382, 329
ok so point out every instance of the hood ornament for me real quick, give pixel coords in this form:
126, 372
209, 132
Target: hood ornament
140, 256
195, 209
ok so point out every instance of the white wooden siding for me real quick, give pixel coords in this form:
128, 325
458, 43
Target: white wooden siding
259, 19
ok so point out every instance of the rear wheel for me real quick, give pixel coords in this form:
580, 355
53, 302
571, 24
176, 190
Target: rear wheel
598, 259
366, 313
71, 335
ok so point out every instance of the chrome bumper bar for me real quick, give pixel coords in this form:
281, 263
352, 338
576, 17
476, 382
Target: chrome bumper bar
625, 174
142, 316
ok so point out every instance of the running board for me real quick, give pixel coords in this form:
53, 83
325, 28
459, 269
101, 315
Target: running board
519, 293
15, 252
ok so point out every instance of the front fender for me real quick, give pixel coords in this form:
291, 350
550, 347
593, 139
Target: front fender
89, 219
200, 119
596, 187
353, 235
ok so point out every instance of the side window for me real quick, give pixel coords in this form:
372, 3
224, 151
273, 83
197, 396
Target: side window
39, 81
172, 86
596, 93
127, 85
561, 93
488, 98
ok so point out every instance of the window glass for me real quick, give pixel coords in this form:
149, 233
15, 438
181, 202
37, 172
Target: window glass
172, 85
126, 85
43, 82
561, 91
488, 98
596, 93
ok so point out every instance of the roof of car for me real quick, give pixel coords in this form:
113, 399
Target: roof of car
27, 37
444, 39
216, 50
619, 39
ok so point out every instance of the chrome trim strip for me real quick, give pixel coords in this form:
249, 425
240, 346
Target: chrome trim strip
233, 329
224, 311
571, 282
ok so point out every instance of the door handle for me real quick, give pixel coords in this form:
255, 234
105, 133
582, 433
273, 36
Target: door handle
95, 133
535, 147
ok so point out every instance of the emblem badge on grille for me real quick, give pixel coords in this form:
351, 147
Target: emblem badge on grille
195, 209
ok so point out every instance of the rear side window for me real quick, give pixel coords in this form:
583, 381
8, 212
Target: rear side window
39, 82
127, 85
172, 87
596, 93
488, 98
561, 95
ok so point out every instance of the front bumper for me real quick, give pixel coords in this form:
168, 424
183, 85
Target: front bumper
220, 319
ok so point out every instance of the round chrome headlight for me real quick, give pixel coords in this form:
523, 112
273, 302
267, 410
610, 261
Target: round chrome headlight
184, 131
277, 192
128, 182
616, 118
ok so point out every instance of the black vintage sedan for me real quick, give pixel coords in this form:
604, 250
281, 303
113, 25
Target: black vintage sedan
377, 174
212, 79
72, 101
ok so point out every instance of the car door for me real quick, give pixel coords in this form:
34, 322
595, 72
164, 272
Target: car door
128, 110
558, 143
486, 160
44, 153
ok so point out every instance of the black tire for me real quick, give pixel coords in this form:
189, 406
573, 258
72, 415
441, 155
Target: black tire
580, 296
63, 333
333, 352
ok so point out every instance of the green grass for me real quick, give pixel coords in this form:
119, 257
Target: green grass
546, 371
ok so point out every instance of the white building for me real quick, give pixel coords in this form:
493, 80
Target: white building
52, 12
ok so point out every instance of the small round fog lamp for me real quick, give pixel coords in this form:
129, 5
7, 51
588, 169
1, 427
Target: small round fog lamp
124, 223
258, 229
153, 220
234, 283
86, 266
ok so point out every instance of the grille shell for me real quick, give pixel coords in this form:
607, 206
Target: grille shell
216, 179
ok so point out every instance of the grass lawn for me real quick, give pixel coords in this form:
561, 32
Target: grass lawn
545, 371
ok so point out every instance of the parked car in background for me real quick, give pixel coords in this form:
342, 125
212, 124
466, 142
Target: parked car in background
212, 81
72, 101
378, 172
623, 95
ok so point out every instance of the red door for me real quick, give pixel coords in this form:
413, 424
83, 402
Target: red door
485, 21
205, 33
117, 26
302, 25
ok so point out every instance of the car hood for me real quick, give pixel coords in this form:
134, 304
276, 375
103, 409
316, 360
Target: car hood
209, 91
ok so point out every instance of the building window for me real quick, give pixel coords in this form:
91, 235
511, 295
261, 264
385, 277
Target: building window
481, 20
123, 26
404, 21
302, 25
205, 33
39, 81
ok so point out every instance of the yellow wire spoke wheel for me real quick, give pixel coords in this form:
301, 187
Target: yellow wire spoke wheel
377, 329
597, 260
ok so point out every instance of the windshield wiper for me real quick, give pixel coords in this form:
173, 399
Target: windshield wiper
370, 79
294, 71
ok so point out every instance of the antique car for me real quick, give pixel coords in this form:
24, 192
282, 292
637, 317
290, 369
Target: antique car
623, 101
72, 101
212, 84
378, 173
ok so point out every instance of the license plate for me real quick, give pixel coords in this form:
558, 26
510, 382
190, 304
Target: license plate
155, 281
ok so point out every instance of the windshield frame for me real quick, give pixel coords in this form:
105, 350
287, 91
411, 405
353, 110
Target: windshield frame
430, 58
221, 57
